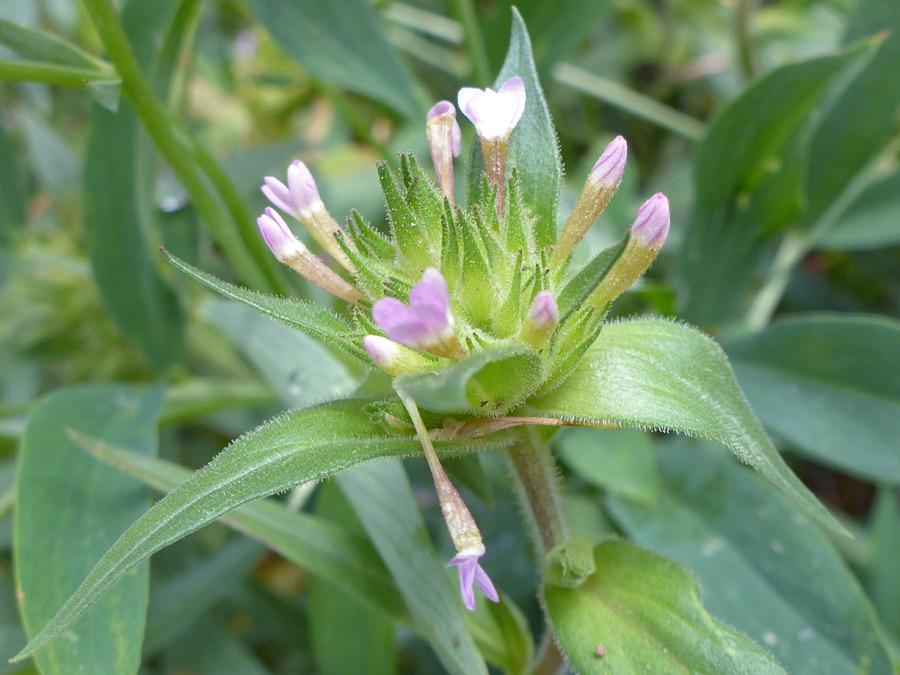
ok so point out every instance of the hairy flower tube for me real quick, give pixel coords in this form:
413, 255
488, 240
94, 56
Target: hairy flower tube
444, 140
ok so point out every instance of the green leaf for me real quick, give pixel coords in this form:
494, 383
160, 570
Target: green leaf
12, 200
502, 634
830, 384
296, 448
883, 578
387, 507
353, 54
622, 461
334, 614
748, 174
641, 613
309, 542
656, 374
486, 382
308, 317
533, 147
37, 45
870, 222
215, 649
842, 146
69, 510
299, 368
764, 568
117, 211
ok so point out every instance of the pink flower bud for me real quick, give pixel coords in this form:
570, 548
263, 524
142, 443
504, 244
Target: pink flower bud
300, 197
541, 320
651, 226
284, 245
608, 170
444, 139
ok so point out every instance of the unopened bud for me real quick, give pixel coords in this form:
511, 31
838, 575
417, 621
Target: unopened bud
541, 320
646, 237
300, 198
599, 188
445, 141
291, 251
393, 358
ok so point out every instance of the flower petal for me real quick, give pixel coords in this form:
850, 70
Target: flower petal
278, 193
485, 584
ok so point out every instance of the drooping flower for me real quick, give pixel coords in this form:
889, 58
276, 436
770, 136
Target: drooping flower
599, 188
426, 323
494, 113
471, 574
300, 198
289, 250
445, 141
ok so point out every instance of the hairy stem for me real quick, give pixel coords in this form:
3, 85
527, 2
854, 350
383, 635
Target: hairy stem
539, 488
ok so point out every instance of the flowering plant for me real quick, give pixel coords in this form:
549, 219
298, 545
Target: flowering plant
480, 332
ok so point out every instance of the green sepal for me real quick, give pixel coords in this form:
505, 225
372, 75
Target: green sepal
407, 235
308, 317
518, 221
367, 272
570, 564
580, 286
487, 383
508, 318
370, 241
475, 292
424, 199
451, 260
570, 343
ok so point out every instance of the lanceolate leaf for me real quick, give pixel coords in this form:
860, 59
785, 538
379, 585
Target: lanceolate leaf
763, 567
69, 510
296, 448
308, 317
830, 384
748, 173
37, 45
533, 147
641, 613
661, 375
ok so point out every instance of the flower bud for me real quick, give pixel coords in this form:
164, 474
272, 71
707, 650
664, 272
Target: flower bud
300, 198
444, 139
646, 237
291, 251
599, 188
541, 320
393, 358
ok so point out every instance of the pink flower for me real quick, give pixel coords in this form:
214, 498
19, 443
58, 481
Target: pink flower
300, 197
444, 140
440, 109
282, 242
471, 573
651, 226
426, 322
494, 113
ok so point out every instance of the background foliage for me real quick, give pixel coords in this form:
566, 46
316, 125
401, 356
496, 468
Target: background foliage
771, 126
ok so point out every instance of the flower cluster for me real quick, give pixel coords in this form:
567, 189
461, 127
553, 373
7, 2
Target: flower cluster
451, 282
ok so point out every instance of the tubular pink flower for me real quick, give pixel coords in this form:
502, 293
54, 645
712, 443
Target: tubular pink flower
651, 226
541, 320
445, 142
494, 113
278, 236
608, 170
300, 197
427, 322
471, 573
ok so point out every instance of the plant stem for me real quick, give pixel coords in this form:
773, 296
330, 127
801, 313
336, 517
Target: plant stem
465, 14
173, 143
744, 30
539, 488
629, 100
51, 73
